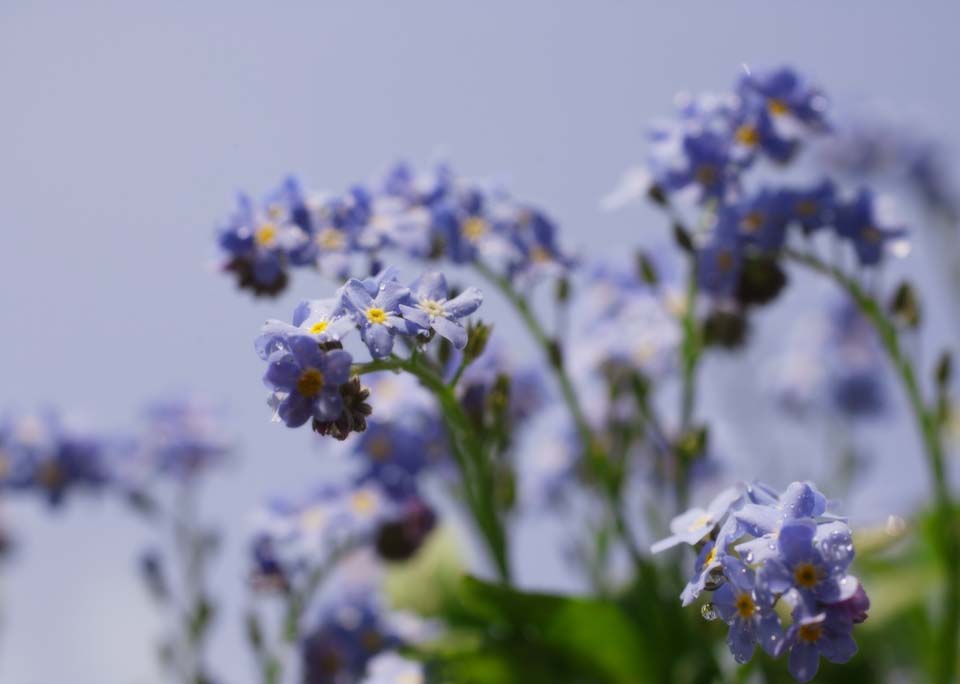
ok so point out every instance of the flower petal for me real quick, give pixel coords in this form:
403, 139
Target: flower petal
465, 303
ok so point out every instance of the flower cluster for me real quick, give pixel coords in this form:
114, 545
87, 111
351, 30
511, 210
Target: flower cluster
292, 538
757, 549
308, 370
350, 632
47, 454
420, 215
705, 153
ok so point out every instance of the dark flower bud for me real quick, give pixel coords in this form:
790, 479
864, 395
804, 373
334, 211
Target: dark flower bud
657, 195
154, 575
944, 369
761, 280
725, 328
247, 280
683, 238
353, 418
905, 305
646, 271
399, 540
478, 334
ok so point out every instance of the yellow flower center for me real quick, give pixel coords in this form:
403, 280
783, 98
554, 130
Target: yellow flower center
747, 135
379, 448
806, 207
745, 606
266, 234
706, 175
377, 316
810, 633
806, 575
410, 677
314, 518
539, 255
872, 235
51, 475
778, 107
711, 558
752, 222
310, 383
363, 502
431, 307
699, 522
725, 260
331, 239
318, 327
474, 228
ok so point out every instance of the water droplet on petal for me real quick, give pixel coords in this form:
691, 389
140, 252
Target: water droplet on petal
708, 612
748, 557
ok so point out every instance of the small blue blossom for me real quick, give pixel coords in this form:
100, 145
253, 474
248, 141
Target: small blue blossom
693, 525
431, 310
184, 437
325, 320
749, 613
827, 634
764, 521
719, 261
857, 221
786, 95
350, 631
308, 380
377, 315
813, 208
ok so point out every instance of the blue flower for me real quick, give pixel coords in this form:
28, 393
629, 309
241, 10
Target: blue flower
431, 310
350, 631
325, 320
394, 456
856, 220
811, 636
763, 219
704, 162
259, 240
308, 379
693, 525
786, 94
814, 208
754, 132
376, 314
183, 437
719, 261
765, 521
813, 560
749, 613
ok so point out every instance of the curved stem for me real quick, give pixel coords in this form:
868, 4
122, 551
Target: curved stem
477, 476
947, 533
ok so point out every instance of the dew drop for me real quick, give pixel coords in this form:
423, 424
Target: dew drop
748, 557
708, 612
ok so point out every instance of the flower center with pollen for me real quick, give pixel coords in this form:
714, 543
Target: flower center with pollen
711, 558
810, 633
806, 575
778, 107
431, 307
474, 228
747, 135
318, 327
330, 238
752, 222
266, 235
745, 606
376, 316
310, 383
706, 175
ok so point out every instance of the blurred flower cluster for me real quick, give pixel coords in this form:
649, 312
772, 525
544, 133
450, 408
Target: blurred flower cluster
424, 216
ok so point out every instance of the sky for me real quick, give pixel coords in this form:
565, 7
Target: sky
128, 128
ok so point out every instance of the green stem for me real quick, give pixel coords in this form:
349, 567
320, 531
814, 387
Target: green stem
691, 350
550, 350
947, 539
478, 478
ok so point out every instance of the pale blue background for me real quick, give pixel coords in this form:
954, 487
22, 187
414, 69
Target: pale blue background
126, 128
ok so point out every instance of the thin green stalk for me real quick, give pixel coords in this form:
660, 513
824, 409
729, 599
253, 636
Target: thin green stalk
613, 496
476, 474
690, 350
550, 351
947, 534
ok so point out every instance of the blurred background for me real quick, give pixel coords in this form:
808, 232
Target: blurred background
127, 129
